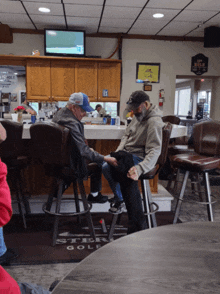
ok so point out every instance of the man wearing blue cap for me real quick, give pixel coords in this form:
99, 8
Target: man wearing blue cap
70, 117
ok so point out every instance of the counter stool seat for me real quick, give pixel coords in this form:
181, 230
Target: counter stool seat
52, 147
14, 154
205, 159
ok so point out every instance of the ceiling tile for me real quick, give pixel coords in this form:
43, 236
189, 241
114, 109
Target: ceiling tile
168, 14
121, 12
86, 21
178, 28
157, 24
126, 3
103, 29
143, 31
205, 5
15, 7
83, 10
196, 34
43, 1
13, 17
20, 25
117, 22
169, 4
84, 2
55, 9
195, 15
59, 20
214, 20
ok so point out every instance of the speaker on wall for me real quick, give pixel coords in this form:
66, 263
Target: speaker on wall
212, 37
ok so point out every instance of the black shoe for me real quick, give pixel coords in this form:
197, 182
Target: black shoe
8, 256
97, 199
117, 207
113, 200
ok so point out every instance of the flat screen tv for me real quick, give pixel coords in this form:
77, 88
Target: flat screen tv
64, 43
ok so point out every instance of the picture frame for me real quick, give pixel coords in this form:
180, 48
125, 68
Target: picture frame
149, 72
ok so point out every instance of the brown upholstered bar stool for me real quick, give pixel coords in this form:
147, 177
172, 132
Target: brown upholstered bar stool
150, 207
206, 159
51, 145
173, 119
14, 155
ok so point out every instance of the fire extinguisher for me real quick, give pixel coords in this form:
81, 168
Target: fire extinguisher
161, 97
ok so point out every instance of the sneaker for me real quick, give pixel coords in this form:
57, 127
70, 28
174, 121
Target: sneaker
117, 207
97, 199
113, 199
8, 256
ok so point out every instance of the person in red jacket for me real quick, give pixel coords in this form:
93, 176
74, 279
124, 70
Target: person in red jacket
7, 283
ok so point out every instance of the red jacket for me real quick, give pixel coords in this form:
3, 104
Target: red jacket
7, 284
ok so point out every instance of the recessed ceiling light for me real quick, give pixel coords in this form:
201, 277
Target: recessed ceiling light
44, 9
158, 15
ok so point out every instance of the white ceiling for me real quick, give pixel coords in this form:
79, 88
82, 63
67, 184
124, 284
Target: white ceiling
183, 18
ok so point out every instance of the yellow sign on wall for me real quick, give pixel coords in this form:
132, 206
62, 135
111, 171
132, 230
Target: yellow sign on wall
148, 72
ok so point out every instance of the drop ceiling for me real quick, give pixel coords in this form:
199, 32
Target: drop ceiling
182, 18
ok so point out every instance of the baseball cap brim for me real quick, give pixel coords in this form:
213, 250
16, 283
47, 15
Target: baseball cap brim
87, 108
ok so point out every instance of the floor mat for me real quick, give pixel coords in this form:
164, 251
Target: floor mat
73, 243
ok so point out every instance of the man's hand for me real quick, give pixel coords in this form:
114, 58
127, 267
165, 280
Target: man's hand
111, 160
132, 173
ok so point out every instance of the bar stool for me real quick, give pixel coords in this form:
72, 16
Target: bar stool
51, 146
14, 155
205, 160
150, 207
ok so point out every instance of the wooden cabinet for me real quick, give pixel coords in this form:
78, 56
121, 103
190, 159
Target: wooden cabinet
50, 80
109, 77
55, 80
94, 77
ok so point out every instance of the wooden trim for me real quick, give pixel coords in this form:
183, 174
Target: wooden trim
121, 35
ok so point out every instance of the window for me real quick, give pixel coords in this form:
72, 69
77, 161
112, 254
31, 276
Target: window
110, 107
183, 102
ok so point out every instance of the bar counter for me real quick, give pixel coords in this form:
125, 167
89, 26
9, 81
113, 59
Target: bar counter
109, 132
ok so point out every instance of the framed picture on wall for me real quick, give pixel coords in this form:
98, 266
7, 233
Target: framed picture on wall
148, 72
22, 96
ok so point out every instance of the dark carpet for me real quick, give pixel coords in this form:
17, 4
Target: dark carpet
74, 243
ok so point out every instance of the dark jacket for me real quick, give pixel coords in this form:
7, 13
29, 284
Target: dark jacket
80, 151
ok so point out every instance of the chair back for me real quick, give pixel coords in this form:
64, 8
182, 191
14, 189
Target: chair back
206, 138
167, 129
173, 119
50, 143
13, 146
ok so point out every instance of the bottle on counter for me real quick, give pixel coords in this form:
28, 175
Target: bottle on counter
117, 120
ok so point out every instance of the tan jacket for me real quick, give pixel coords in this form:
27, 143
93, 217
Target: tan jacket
144, 139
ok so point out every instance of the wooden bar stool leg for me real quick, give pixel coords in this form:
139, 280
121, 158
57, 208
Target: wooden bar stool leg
85, 204
208, 196
57, 210
180, 199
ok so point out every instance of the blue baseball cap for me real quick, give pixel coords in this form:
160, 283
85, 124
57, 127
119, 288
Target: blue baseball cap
82, 100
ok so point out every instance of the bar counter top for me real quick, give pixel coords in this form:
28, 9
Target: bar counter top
110, 132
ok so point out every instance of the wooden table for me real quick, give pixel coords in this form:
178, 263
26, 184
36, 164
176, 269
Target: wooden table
178, 259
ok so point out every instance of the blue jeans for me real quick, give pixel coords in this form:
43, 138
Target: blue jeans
115, 186
3, 248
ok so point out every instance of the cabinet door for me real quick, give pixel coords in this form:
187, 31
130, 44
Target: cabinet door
86, 79
109, 77
38, 80
62, 79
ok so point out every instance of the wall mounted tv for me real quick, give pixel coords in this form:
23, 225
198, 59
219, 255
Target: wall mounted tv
64, 43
